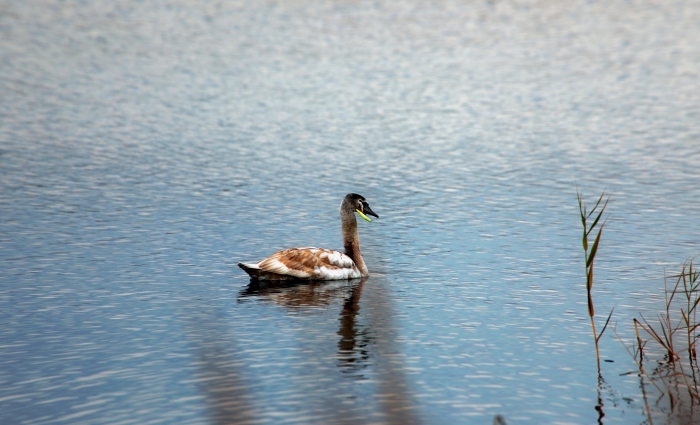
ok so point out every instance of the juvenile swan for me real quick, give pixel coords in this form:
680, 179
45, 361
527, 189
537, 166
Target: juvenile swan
320, 263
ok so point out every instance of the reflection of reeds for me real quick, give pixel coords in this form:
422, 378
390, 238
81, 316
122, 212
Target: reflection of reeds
589, 256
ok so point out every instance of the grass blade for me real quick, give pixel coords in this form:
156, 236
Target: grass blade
600, 214
652, 332
606, 324
598, 203
589, 280
594, 249
695, 304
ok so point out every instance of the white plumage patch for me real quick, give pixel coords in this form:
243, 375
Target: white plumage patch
311, 263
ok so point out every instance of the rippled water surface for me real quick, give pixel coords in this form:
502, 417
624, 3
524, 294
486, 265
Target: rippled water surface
148, 147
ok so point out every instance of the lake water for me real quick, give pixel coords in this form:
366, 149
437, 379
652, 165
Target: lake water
148, 147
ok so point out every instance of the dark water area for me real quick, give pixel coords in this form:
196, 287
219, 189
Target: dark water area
148, 147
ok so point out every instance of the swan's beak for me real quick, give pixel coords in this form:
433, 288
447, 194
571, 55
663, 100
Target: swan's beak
368, 211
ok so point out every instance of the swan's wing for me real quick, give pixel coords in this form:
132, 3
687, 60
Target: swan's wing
311, 263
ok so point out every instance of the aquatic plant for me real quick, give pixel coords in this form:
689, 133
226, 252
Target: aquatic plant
672, 331
674, 378
691, 290
589, 256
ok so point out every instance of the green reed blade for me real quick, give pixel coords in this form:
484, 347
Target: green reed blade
595, 247
600, 214
606, 324
581, 208
596, 205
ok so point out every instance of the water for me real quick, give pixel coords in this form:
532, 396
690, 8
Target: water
148, 147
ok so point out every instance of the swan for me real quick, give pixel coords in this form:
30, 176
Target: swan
321, 263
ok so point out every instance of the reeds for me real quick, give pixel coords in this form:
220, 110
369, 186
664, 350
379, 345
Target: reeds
589, 256
691, 290
675, 379
676, 336
677, 375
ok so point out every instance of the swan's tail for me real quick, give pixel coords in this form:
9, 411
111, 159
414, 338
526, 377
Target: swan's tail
251, 269
256, 272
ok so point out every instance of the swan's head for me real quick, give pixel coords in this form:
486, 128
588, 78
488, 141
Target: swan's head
358, 203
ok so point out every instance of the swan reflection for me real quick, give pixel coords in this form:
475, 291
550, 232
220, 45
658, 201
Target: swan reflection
365, 349
355, 338
353, 354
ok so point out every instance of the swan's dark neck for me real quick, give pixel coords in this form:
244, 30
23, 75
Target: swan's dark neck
351, 239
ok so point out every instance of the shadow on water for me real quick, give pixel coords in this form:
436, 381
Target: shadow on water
366, 341
220, 377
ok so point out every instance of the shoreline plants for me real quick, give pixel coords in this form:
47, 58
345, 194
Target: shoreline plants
589, 256
676, 371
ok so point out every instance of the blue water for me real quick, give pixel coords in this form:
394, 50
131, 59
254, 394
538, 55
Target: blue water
148, 147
